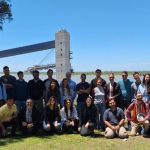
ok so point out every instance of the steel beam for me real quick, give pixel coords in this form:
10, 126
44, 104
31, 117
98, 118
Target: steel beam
27, 49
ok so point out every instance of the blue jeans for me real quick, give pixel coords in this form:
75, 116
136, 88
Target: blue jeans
20, 104
79, 108
101, 109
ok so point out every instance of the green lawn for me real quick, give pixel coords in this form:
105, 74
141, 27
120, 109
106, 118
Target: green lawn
74, 142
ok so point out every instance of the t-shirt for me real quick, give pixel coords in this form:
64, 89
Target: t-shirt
5, 112
114, 117
36, 89
82, 86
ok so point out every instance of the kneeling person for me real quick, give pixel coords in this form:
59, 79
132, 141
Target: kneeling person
8, 115
52, 119
138, 114
114, 121
69, 117
88, 118
28, 118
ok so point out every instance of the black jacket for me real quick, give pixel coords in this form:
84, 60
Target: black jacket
35, 116
88, 114
51, 115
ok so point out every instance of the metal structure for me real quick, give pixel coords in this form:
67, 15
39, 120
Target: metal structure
62, 54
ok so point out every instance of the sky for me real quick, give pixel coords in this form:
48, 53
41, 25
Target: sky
112, 35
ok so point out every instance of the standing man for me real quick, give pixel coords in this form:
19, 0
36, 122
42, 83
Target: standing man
93, 84
36, 91
49, 79
135, 84
21, 91
72, 85
125, 86
9, 82
83, 91
113, 90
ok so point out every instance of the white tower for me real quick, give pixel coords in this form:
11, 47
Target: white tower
62, 47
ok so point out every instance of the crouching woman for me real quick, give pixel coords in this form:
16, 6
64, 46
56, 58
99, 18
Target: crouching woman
52, 121
69, 117
88, 118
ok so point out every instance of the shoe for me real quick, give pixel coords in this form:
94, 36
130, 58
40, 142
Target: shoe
145, 135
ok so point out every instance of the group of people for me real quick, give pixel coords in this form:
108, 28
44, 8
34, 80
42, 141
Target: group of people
50, 106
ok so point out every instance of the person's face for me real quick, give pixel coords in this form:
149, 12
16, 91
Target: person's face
52, 101
98, 74
111, 77
147, 78
65, 82
68, 75
50, 73
112, 103
88, 102
53, 85
20, 76
136, 77
99, 82
139, 97
68, 104
36, 76
29, 104
6, 71
83, 78
10, 102
124, 76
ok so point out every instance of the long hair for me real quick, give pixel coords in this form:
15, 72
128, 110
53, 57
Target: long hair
148, 84
52, 91
67, 86
92, 101
49, 102
65, 106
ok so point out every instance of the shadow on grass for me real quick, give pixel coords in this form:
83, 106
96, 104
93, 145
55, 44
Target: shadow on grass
9, 140
20, 138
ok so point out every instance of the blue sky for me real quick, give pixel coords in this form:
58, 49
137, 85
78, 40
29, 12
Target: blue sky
105, 34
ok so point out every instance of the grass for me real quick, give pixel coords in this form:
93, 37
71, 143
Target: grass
74, 142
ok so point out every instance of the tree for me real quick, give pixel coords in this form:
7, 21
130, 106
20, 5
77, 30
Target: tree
5, 12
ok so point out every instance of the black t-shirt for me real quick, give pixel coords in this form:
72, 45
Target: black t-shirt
82, 86
36, 89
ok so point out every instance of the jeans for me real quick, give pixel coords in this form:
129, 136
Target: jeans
20, 104
79, 108
101, 109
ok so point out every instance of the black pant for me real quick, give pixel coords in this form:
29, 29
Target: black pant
68, 128
12, 123
31, 131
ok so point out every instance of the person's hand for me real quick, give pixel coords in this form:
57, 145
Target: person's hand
87, 124
117, 127
48, 125
79, 129
72, 123
29, 125
56, 124
8, 119
4, 132
141, 121
113, 128
24, 124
